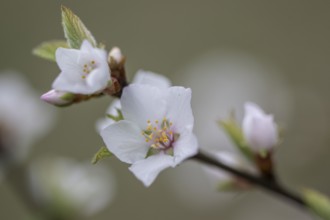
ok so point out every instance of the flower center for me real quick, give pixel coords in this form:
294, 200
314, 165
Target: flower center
160, 135
88, 67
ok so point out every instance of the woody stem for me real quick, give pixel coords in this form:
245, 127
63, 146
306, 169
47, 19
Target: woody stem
263, 183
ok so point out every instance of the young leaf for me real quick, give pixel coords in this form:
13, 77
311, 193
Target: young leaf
319, 203
74, 29
117, 117
47, 49
235, 133
101, 154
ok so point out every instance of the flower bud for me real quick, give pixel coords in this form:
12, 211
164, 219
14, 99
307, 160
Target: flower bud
116, 55
58, 98
259, 129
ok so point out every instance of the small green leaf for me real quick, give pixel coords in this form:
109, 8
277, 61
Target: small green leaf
74, 29
117, 117
47, 49
101, 154
317, 202
68, 96
235, 133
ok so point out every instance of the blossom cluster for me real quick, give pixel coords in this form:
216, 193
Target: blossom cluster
150, 124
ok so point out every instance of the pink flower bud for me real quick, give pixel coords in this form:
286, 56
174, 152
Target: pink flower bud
259, 129
58, 98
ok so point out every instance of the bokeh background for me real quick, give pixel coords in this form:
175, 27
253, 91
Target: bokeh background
275, 53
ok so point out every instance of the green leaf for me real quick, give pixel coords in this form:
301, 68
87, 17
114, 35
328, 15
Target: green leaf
318, 203
47, 49
235, 133
101, 154
74, 29
117, 117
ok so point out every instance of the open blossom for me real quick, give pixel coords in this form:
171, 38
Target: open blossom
259, 129
141, 77
156, 132
83, 71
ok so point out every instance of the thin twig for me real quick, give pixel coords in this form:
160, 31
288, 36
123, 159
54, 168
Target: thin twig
259, 181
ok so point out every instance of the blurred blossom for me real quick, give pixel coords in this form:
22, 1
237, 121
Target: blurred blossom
223, 81
259, 129
23, 117
68, 188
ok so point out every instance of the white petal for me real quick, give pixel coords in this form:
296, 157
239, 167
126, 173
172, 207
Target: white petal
141, 103
97, 80
86, 46
67, 59
186, 146
153, 79
112, 110
66, 83
124, 140
253, 109
178, 108
147, 170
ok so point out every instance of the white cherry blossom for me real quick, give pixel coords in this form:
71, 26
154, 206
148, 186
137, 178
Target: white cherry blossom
141, 77
84, 71
156, 132
259, 129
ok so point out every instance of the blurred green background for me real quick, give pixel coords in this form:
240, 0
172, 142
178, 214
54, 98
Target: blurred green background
289, 39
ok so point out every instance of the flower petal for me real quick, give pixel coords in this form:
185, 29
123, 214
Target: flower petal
153, 79
124, 139
86, 46
67, 59
147, 170
253, 109
98, 79
141, 103
179, 108
112, 110
186, 146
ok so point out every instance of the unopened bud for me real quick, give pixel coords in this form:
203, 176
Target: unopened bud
58, 98
259, 129
116, 57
